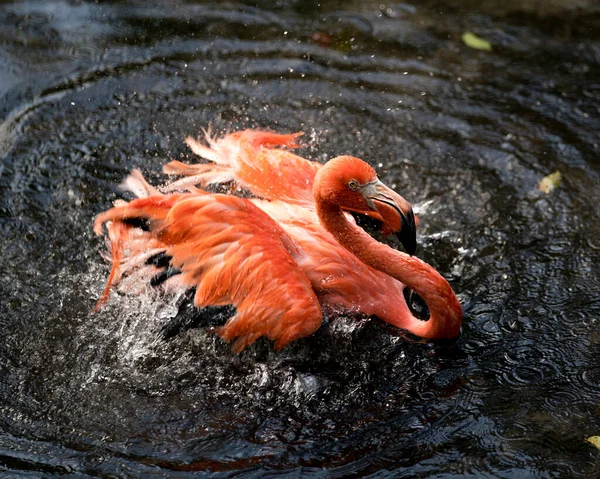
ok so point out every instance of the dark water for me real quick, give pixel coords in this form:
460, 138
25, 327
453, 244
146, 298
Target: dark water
90, 90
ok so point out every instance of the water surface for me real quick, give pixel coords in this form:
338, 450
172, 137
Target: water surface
90, 90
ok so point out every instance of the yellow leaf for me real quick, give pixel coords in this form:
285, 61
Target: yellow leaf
473, 41
595, 440
550, 182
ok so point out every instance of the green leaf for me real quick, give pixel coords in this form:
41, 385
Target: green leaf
595, 440
550, 182
473, 41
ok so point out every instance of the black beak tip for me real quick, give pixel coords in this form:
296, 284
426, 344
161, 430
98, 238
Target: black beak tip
408, 233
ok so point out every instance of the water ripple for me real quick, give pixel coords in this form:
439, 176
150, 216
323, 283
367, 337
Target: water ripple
89, 91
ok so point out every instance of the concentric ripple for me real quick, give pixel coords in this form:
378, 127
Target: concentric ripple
89, 91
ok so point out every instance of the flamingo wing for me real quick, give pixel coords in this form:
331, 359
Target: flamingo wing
232, 253
254, 160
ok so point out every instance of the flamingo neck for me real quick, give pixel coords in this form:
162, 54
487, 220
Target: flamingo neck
445, 310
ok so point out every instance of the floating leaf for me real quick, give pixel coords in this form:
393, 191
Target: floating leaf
550, 182
595, 440
322, 39
473, 41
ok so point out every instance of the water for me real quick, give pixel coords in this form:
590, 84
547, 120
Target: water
90, 90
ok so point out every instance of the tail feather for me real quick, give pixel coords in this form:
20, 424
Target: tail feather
224, 151
178, 168
255, 160
257, 138
125, 246
210, 176
211, 153
152, 209
117, 233
137, 184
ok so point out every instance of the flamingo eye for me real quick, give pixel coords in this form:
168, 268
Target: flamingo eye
353, 185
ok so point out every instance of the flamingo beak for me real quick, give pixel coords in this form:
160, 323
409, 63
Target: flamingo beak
396, 212
408, 233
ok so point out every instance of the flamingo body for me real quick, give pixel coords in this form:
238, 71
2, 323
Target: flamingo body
341, 281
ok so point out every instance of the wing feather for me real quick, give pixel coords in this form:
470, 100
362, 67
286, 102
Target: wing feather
258, 161
232, 253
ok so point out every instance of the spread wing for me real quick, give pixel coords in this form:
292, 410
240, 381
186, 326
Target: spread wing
251, 160
232, 253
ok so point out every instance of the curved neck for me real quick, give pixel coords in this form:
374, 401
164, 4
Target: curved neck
445, 311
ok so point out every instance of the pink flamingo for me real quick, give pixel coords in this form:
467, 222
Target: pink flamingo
281, 256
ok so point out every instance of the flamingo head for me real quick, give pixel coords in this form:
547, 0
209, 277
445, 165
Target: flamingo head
352, 185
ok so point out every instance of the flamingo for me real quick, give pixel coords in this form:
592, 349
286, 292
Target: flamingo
281, 256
